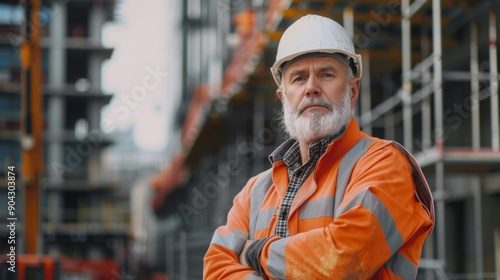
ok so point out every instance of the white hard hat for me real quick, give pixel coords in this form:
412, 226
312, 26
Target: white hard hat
314, 34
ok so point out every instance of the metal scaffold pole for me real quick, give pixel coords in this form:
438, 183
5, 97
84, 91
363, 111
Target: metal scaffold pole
495, 144
474, 71
478, 223
438, 128
366, 92
496, 242
348, 16
476, 183
426, 102
407, 85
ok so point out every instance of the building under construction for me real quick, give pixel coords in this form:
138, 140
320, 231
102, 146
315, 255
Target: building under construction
430, 82
78, 213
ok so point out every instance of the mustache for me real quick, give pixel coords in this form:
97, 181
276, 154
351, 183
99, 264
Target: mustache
314, 102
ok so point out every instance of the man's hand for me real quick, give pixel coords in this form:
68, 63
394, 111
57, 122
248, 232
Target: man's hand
243, 259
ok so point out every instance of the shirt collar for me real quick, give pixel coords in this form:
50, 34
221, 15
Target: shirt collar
290, 145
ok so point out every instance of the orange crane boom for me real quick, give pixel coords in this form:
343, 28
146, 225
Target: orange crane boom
31, 122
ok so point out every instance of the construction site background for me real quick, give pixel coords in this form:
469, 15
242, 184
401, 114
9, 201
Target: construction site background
430, 82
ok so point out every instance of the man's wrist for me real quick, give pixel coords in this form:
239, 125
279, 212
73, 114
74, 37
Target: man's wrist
252, 255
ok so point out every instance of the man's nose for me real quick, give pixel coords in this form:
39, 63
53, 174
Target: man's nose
312, 86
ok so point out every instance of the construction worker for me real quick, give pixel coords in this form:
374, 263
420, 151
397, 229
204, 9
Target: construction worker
336, 203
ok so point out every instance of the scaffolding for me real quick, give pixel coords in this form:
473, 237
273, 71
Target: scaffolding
431, 153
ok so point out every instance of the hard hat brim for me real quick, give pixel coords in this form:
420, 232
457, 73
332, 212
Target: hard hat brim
276, 68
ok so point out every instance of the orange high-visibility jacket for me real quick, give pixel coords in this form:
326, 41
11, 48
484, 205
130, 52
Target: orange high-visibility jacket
363, 213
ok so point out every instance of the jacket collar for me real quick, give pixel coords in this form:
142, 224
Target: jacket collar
334, 152
340, 146
281, 152
343, 142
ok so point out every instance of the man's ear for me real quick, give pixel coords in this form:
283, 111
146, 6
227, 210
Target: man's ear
354, 91
279, 94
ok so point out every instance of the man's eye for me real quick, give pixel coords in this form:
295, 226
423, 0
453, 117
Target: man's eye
328, 75
298, 79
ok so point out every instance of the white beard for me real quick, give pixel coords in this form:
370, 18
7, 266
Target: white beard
316, 125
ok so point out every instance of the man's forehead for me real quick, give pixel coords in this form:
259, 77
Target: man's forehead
327, 60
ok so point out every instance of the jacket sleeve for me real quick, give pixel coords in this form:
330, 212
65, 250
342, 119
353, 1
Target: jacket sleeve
222, 258
377, 217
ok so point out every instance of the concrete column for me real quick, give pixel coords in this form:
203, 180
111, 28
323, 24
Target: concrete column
57, 50
94, 117
97, 18
56, 108
94, 114
94, 71
57, 79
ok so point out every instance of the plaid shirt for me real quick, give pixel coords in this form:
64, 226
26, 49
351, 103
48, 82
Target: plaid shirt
289, 151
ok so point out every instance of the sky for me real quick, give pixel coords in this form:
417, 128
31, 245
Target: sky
137, 73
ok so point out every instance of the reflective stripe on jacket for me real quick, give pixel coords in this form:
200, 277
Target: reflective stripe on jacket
364, 213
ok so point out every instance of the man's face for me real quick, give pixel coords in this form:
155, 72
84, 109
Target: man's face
317, 97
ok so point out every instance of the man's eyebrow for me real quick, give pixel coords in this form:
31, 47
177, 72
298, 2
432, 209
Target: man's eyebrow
328, 68
299, 71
